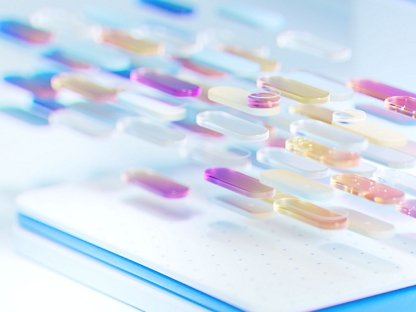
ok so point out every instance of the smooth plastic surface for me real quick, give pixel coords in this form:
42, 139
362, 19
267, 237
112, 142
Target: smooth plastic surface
294, 90
385, 114
152, 131
329, 135
326, 155
311, 214
313, 111
238, 99
405, 105
155, 183
376, 89
399, 179
295, 184
367, 188
231, 125
165, 83
238, 182
25, 32
266, 64
280, 158
389, 157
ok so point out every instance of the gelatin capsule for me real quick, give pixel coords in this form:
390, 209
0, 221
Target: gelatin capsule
389, 157
39, 84
253, 16
238, 99
337, 91
165, 83
201, 69
67, 60
294, 90
84, 86
260, 98
211, 152
265, 63
375, 133
366, 225
295, 184
247, 207
129, 43
328, 156
226, 62
228, 124
280, 158
407, 207
151, 131
399, 179
311, 214
405, 105
313, 111
386, 114
170, 6
238, 182
155, 183
376, 89
310, 44
277, 195
367, 188
321, 132
25, 32
189, 124
158, 106
409, 148
348, 116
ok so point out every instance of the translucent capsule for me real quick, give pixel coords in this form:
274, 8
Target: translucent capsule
310, 44
329, 135
25, 32
277, 195
283, 121
337, 91
253, 15
294, 90
260, 98
67, 60
409, 148
85, 86
189, 124
153, 105
376, 89
228, 124
386, 114
367, 188
352, 116
126, 41
313, 111
366, 225
247, 207
211, 152
405, 105
161, 64
226, 62
363, 169
155, 183
375, 133
170, 6
165, 83
295, 184
96, 54
328, 156
39, 84
238, 99
151, 131
201, 69
311, 214
238, 182
407, 207
89, 118
389, 157
399, 179
265, 63
280, 158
